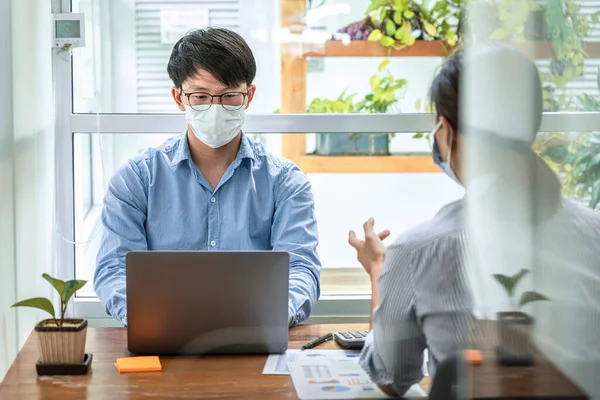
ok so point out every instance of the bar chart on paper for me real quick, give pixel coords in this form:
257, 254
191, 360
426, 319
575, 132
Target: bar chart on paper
337, 379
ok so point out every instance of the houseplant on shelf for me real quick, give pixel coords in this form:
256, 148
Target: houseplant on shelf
61, 341
399, 23
383, 96
515, 327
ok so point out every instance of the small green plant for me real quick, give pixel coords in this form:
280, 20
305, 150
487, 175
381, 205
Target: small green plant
65, 290
399, 23
384, 93
509, 283
384, 90
341, 105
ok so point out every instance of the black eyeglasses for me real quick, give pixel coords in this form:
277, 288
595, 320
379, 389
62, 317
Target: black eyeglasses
231, 101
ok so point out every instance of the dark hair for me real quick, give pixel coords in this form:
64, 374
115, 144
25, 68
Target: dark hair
503, 83
221, 52
506, 91
445, 88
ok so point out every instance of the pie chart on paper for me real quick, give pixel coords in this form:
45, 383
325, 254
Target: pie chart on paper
338, 389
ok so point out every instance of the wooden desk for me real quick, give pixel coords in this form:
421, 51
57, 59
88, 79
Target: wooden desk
214, 377
491, 381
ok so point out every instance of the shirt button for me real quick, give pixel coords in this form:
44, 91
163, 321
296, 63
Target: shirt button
212, 199
213, 243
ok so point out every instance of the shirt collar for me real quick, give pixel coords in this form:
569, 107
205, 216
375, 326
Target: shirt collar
183, 150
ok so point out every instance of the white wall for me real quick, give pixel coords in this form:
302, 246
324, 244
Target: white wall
26, 165
8, 340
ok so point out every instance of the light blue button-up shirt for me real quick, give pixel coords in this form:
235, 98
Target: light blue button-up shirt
161, 201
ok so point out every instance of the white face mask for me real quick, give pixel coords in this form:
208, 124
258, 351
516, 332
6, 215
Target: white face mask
216, 126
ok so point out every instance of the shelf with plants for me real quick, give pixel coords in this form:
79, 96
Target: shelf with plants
365, 48
430, 48
407, 28
419, 31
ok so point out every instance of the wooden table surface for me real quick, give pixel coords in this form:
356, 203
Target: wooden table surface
211, 377
240, 377
491, 381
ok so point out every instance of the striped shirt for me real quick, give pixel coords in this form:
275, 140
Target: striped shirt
424, 302
433, 283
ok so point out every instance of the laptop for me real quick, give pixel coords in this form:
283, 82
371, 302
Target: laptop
198, 302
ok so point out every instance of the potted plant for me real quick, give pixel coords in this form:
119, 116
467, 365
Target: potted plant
399, 23
382, 97
515, 327
61, 341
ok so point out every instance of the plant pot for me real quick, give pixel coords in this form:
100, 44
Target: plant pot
61, 345
515, 347
352, 144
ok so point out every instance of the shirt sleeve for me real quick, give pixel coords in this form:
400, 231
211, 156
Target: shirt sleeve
393, 351
294, 230
124, 218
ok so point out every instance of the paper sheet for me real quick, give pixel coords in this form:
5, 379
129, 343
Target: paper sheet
277, 364
341, 379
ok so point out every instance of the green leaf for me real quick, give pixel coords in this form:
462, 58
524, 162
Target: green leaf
382, 13
418, 135
387, 41
374, 6
375, 35
397, 4
430, 29
594, 161
409, 14
72, 286
398, 85
390, 27
451, 39
510, 282
375, 82
57, 284
518, 276
505, 281
529, 297
399, 35
40, 303
398, 17
595, 200
384, 64
418, 105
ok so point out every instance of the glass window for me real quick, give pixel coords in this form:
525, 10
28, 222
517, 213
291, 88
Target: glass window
397, 202
130, 43
307, 63
575, 158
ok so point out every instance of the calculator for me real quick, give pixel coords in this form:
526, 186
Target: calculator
351, 339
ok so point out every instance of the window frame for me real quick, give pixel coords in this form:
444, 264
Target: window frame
330, 308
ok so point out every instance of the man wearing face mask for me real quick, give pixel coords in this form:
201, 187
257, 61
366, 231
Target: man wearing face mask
210, 188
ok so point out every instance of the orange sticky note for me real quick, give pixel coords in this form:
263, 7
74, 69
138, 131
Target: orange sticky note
473, 357
138, 364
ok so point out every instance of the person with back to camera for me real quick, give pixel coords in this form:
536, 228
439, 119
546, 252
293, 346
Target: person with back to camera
422, 292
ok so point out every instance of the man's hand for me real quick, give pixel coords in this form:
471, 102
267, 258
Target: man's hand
371, 251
